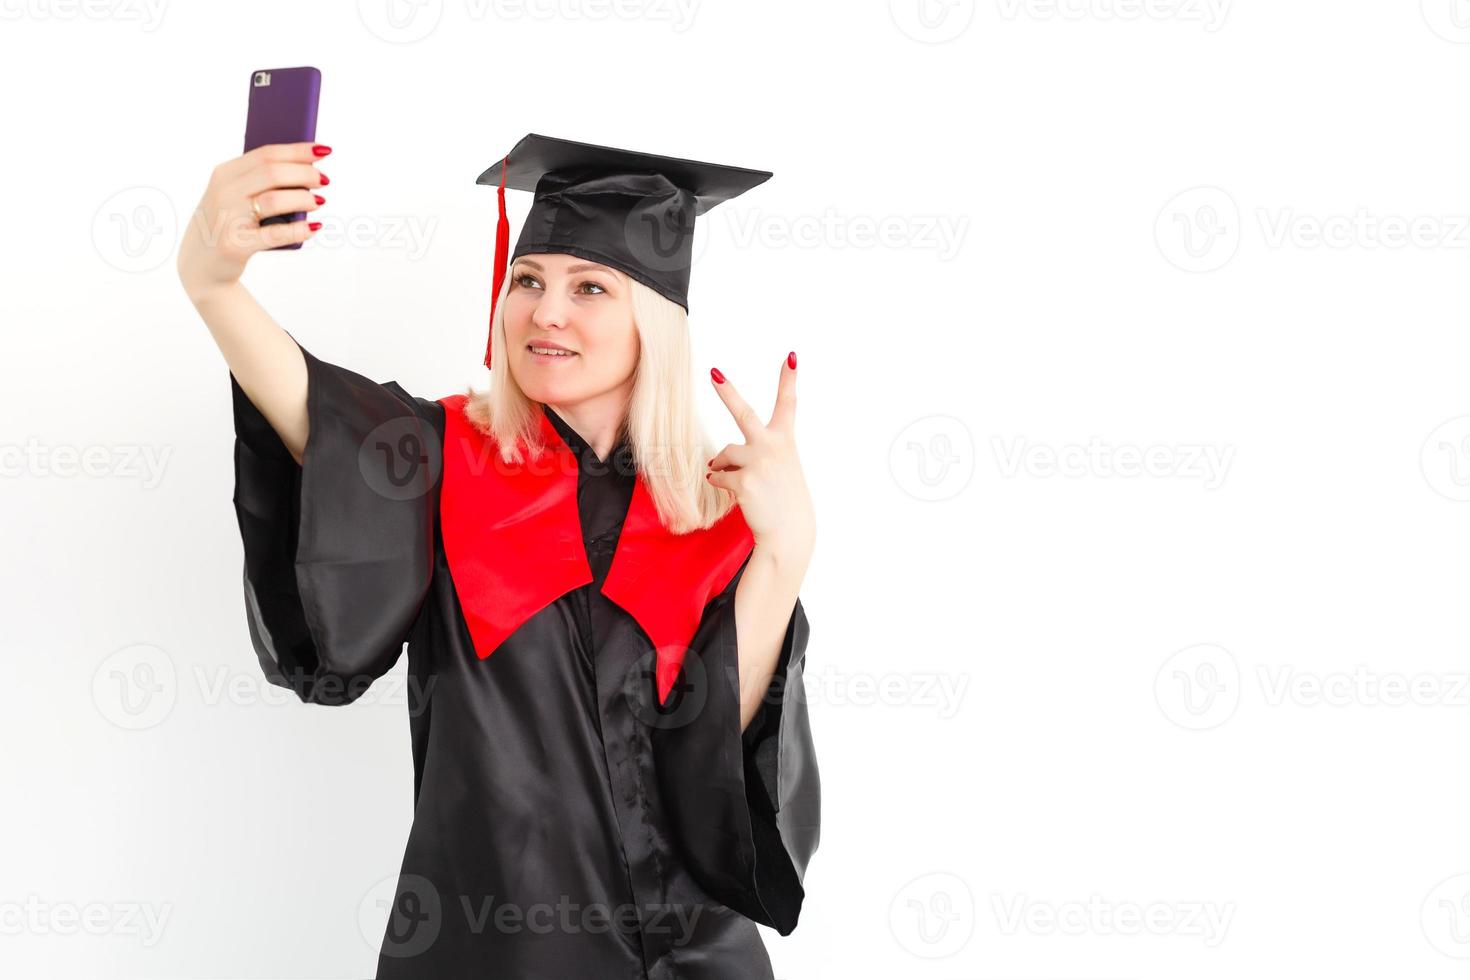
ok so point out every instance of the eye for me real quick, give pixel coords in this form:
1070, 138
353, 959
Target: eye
523, 278
595, 285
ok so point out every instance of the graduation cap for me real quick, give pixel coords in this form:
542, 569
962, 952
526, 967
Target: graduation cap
631, 211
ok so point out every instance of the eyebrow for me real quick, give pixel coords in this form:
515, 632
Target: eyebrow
579, 267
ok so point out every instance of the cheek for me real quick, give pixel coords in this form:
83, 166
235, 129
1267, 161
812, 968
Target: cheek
517, 314
620, 349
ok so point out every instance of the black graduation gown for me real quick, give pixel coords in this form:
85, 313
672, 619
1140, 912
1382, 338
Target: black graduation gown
565, 825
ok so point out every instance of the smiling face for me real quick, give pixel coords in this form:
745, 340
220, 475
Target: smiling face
581, 307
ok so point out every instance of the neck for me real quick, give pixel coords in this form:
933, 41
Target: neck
597, 420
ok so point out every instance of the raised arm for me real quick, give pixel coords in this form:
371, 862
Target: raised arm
219, 239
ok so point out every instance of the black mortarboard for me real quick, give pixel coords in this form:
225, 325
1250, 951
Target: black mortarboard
631, 211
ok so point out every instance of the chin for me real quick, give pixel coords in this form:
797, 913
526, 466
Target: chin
542, 392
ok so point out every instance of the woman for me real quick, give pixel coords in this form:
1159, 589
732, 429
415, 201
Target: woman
628, 784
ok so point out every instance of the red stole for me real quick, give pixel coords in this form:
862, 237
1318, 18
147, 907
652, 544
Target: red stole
513, 541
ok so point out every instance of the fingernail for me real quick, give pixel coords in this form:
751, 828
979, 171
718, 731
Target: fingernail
709, 476
791, 360
325, 180
314, 225
319, 199
321, 149
715, 373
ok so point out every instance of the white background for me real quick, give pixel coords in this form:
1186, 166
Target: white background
1206, 718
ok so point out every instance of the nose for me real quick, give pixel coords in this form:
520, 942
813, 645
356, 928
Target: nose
550, 312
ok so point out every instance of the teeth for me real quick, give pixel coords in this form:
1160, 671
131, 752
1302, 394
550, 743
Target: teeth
551, 350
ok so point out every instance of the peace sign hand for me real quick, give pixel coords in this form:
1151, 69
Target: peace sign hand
765, 472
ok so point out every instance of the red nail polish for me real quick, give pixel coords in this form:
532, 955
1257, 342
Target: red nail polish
325, 180
319, 199
709, 476
715, 373
791, 360
314, 225
321, 150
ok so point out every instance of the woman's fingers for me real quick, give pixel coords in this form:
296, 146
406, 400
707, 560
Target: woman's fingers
269, 153
280, 179
784, 415
725, 480
745, 417
224, 230
733, 456
271, 236
240, 234
273, 203
274, 174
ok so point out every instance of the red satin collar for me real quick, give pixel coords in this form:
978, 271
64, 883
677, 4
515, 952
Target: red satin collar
513, 541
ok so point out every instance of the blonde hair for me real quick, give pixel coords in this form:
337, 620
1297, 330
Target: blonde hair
669, 447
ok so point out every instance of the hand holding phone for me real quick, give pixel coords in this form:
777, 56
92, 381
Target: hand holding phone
256, 201
283, 108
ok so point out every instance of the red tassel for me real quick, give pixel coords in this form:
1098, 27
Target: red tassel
502, 246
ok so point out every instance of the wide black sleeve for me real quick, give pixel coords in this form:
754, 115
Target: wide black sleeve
339, 549
745, 808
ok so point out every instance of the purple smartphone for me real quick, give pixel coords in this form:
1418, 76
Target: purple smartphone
283, 104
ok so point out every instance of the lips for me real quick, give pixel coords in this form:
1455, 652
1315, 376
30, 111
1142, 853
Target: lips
548, 353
